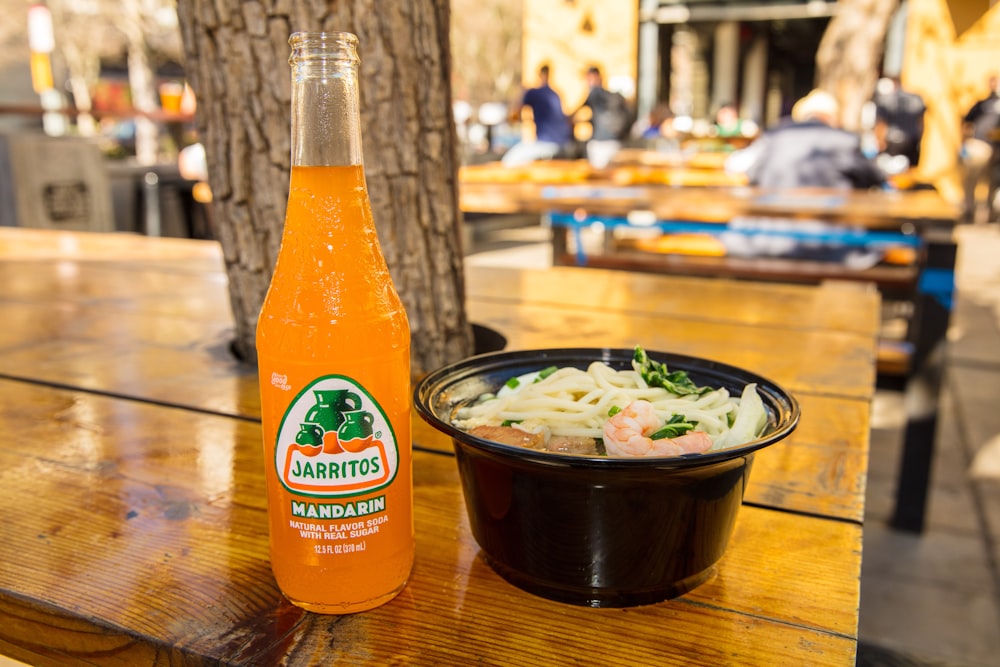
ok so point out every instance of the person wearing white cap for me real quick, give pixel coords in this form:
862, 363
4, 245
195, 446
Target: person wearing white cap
809, 151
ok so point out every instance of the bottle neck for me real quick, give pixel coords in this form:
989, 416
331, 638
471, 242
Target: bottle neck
326, 108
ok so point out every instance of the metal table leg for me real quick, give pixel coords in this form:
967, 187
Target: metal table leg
928, 334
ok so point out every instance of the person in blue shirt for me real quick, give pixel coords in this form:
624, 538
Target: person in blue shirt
552, 129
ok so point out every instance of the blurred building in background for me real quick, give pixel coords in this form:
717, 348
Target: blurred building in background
693, 55
697, 55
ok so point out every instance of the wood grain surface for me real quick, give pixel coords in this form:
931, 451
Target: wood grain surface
132, 494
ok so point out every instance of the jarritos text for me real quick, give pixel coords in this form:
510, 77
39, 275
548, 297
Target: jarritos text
335, 441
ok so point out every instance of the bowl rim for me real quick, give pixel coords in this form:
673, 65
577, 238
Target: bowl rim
782, 406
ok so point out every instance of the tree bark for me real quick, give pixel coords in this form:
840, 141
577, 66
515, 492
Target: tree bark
849, 57
236, 56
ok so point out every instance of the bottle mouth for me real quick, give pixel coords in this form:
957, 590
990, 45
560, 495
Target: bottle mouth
323, 45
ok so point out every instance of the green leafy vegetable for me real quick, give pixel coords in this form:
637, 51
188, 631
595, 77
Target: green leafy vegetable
656, 374
614, 410
675, 426
513, 383
545, 372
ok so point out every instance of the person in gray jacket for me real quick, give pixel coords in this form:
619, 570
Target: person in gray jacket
810, 150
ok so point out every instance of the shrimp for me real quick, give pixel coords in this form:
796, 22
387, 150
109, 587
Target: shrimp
626, 434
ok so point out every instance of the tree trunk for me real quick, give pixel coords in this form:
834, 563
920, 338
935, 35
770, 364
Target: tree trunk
236, 55
850, 54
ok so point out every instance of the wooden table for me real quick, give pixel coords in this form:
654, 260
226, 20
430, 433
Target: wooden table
132, 494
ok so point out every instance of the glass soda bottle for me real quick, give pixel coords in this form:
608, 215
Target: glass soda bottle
333, 346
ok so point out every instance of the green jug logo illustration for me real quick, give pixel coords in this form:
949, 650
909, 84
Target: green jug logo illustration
355, 434
335, 440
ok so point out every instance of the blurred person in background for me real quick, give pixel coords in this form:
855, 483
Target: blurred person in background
728, 123
650, 126
899, 120
980, 152
610, 119
552, 129
657, 132
811, 150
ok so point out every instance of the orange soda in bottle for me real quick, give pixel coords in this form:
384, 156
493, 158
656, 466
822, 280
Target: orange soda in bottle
333, 347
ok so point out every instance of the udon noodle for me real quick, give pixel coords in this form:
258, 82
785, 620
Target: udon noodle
577, 403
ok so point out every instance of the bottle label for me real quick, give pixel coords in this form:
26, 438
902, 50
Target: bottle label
335, 441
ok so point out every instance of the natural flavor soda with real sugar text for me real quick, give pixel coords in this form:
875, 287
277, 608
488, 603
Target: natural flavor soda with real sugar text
334, 362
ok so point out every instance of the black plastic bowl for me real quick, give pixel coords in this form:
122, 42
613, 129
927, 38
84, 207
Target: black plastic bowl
597, 531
